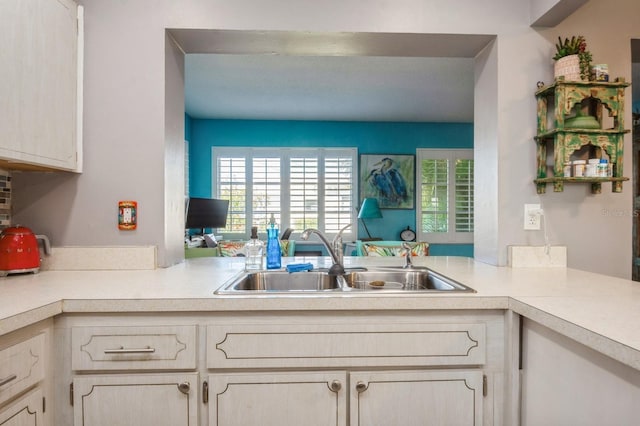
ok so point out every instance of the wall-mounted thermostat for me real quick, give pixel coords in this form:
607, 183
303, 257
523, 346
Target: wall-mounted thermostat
127, 215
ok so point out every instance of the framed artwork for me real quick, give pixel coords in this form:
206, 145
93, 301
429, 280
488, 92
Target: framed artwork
390, 178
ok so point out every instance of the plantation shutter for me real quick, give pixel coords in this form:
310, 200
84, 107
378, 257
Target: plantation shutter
338, 189
446, 198
435, 197
303, 188
464, 195
303, 195
265, 189
232, 186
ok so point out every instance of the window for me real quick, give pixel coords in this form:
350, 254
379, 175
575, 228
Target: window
445, 195
303, 188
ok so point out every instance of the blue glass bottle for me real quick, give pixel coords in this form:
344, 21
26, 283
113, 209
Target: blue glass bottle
274, 256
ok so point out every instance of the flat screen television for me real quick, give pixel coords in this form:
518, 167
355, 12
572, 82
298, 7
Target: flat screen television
205, 213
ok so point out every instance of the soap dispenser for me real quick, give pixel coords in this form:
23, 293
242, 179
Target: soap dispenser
254, 250
274, 256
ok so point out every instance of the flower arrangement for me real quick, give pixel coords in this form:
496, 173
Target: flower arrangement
575, 46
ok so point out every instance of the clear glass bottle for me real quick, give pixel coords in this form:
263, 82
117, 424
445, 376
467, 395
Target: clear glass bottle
274, 256
254, 250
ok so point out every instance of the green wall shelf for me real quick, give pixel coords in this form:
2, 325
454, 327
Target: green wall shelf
576, 97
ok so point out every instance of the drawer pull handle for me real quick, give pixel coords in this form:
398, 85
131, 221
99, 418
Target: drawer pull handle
361, 387
184, 387
123, 350
335, 386
8, 379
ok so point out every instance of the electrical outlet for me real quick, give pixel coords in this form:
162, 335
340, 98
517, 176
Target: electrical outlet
532, 217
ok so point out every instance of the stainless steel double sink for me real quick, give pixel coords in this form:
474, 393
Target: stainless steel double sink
383, 280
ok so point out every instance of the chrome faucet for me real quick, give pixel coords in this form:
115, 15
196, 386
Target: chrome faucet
407, 258
334, 248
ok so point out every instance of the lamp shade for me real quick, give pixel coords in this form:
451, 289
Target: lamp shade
369, 209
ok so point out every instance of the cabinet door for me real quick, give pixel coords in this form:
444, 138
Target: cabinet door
26, 411
38, 82
21, 366
416, 398
141, 400
277, 399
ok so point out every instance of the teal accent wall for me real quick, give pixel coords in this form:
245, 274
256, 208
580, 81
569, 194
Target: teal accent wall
368, 137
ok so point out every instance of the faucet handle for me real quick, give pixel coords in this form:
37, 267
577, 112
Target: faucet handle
407, 257
338, 236
337, 242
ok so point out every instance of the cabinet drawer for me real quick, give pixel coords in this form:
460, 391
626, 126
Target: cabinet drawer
21, 366
26, 411
300, 345
126, 348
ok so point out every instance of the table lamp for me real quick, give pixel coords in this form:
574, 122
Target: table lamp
369, 210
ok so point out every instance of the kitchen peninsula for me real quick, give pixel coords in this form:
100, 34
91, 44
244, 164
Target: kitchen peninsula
577, 316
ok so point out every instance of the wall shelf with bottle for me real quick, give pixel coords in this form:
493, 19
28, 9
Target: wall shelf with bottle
577, 129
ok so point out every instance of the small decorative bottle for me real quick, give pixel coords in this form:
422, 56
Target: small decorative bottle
274, 256
254, 250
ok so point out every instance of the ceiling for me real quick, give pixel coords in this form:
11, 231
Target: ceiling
278, 75
351, 88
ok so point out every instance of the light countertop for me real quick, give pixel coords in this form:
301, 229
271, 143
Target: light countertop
598, 311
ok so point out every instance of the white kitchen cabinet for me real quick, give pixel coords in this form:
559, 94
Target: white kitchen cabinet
275, 399
282, 367
133, 347
161, 397
169, 399
417, 397
21, 366
39, 105
566, 383
25, 376
358, 342
413, 369
26, 411
445, 397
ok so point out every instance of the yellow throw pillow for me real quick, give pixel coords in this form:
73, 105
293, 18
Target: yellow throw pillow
417, 249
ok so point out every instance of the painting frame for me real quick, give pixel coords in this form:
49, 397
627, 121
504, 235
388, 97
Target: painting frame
389, 178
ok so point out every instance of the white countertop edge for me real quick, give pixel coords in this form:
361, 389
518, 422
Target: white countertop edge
602, 344
359, 302
614, 349
595, 310
32, 316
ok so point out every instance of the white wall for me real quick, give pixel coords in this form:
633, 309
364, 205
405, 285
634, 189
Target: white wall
598, 228
486, 146
550, 13
130, 131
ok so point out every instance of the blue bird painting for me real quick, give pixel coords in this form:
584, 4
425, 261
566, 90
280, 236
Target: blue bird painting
388, 183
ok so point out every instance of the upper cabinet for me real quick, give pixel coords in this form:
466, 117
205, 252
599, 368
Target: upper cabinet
583, 122
40, 76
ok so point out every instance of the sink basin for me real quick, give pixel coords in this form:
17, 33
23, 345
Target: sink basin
356, 280
282, 281
394, 279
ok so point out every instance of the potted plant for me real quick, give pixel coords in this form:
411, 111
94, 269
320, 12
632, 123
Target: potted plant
573, 60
